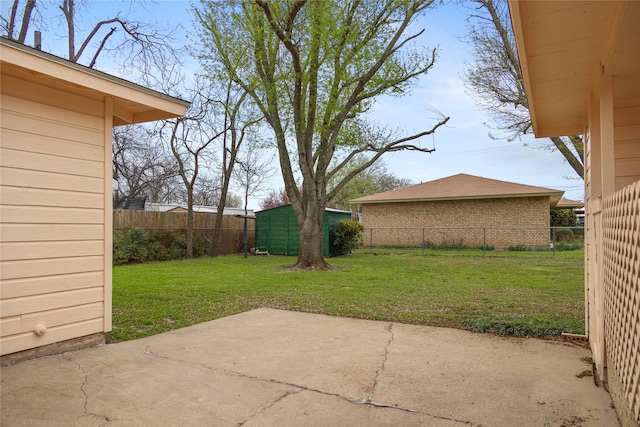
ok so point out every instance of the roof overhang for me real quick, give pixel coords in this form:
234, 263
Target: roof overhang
569, 204
564, 48
132, 103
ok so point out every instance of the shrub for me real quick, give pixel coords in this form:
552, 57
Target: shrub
347, 235
563, 233
136, 245
563, 218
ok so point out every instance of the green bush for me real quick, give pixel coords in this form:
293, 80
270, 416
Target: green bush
563, 233
563, 218
136, 245
133, 245
347, 235
201, 245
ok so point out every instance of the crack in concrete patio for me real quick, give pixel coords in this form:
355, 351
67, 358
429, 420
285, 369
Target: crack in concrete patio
382, 366
274, 367
300, 388
84, 392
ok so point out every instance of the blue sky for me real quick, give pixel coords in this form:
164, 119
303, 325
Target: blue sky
463, 146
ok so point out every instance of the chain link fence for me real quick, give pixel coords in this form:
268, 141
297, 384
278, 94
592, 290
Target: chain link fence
473, 238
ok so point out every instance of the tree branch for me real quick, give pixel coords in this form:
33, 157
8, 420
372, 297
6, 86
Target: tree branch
93, 32
104, 40
574, 162
11, 25
26, 19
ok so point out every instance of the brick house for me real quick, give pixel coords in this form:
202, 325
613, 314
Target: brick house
461, 210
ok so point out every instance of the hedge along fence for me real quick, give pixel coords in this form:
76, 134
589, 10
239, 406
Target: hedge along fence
170, 229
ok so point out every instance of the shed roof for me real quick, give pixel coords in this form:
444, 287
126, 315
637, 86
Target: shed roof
289, 204
461, 186
564, 47
132, 103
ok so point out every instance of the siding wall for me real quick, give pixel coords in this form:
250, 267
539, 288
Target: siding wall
627, 146
612, 173
52, 215
506, 212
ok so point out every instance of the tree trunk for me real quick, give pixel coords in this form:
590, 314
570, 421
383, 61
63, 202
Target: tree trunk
310, 256
189, 253
216, 242
574, 161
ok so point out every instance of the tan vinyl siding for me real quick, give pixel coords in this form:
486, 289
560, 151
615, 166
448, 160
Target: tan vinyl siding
627, 146
52, 204
13, 325
73, 329
42, 285
56, 121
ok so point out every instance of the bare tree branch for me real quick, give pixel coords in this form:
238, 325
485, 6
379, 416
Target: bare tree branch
26, 19
11, 24
104, 40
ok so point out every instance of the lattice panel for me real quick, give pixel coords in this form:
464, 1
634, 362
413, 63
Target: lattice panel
621, 262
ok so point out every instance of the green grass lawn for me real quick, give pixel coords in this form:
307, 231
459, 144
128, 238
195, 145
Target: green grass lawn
517, 293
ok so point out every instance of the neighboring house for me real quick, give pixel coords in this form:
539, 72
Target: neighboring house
181, 207
461, 202
56, 120
581, 67
569, 204
277, 230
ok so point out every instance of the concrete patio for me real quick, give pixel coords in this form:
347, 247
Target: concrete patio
277, 368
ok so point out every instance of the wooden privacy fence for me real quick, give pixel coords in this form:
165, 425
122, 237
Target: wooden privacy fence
232, 234
621, 269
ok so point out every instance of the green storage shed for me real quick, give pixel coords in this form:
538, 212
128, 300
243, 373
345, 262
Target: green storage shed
277, 230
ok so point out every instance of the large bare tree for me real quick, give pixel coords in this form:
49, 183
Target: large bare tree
495, 77
16, 27
252, 171
314, 68
189, 137
135, 43
142, 168
239, 119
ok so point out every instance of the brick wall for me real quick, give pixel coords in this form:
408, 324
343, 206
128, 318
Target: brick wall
501, 217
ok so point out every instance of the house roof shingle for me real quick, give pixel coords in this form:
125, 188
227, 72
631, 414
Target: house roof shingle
569, 204
460, 186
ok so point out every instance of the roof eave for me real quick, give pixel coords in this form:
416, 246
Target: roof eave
559, 74
556, 195
153, 105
